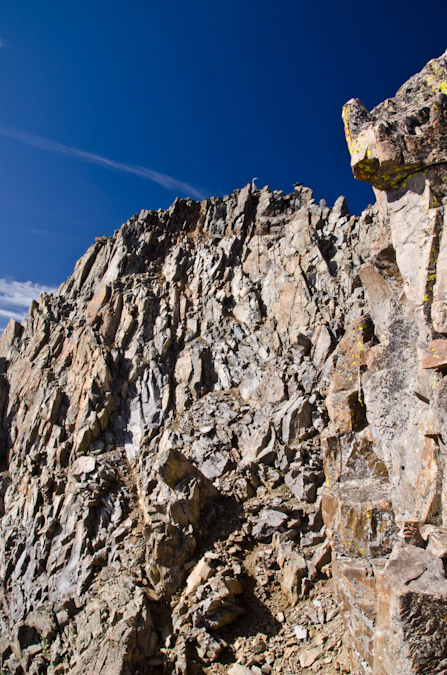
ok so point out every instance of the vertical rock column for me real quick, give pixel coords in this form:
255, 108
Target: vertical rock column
385, 501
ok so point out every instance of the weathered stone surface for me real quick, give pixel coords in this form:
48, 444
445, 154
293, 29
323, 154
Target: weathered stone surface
237, 669
269, 522
211, 383
439, 277
308, 657
293, 567
201, 573
403, 135
384, 448
411, 581
437, 355
359, 518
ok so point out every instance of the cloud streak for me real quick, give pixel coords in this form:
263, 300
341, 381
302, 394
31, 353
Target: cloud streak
46, 144
16, 297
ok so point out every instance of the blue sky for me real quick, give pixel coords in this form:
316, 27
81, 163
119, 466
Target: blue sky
111, 107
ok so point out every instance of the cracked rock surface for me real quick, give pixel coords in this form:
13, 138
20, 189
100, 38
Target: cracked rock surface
222, 440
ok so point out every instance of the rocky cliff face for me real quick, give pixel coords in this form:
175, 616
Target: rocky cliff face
211, 383
389, 476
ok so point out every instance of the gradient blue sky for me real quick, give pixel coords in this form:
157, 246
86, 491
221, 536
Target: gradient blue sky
111, 107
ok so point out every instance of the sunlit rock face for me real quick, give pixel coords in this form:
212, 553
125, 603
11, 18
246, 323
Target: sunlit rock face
386, 502
223, 398
161, 418
403, 135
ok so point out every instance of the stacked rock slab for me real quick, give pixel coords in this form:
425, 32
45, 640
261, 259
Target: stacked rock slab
385, 504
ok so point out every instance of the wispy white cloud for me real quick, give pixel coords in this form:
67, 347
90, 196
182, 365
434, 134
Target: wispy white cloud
16, 297
10, 315
39, 232
57, 148
3, 43
21, 293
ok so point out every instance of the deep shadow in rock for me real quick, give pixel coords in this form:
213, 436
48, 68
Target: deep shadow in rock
5, 439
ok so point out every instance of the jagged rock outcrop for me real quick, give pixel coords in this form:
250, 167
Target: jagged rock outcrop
161, 418
403, 135
385, 504
212, 382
